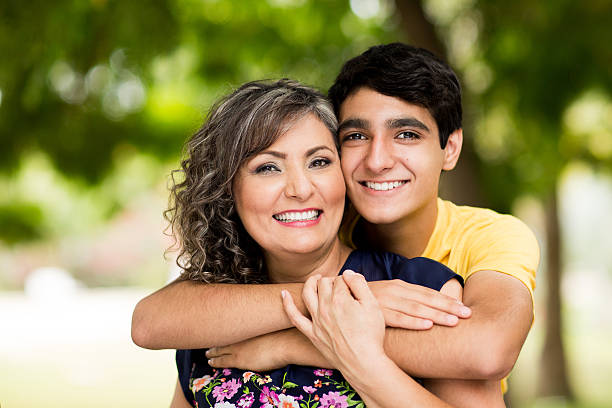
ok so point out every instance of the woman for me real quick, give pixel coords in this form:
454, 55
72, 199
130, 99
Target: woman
261, 201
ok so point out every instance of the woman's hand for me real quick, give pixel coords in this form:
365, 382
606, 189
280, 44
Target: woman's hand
347, 324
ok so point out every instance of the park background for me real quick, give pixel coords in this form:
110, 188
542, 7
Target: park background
97, 97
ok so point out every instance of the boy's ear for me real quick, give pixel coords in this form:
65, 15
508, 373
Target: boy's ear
452, 150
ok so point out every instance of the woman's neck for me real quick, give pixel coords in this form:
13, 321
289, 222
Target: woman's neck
408, 237
327, 261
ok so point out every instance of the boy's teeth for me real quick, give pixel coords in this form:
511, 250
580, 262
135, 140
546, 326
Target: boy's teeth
384, 186
297, 216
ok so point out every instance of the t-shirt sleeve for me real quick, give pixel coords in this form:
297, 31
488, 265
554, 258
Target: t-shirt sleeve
422, 271
184, 363
507, 246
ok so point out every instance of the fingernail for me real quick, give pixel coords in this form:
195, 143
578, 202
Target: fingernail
283, 293
465, 311
210, 362
452, 319
349, 272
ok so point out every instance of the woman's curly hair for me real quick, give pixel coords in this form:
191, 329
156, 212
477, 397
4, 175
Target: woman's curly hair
214, 246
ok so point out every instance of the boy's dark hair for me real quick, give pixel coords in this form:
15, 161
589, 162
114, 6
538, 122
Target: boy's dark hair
413, 74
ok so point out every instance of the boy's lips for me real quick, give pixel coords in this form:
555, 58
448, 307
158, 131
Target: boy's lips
383, 185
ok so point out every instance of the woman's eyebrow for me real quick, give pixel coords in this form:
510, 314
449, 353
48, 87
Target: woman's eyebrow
274, 153
406, 122
316, 149
353, 123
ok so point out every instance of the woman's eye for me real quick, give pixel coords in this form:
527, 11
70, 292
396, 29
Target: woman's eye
321, 162
408, 135
266, 168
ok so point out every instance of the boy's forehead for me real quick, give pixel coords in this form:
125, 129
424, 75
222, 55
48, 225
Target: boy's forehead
365, 105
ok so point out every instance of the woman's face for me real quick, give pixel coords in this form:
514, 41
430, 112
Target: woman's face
290, 197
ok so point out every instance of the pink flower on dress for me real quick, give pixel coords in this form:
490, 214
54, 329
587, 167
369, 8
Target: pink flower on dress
321, 372
287, 401
308, 389
268, 397
199, 383
226, 390
227, 371
246, 400
334, 400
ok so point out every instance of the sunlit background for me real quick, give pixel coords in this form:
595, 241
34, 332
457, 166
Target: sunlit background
97, 97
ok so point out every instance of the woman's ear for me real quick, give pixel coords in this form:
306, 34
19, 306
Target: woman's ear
452, 150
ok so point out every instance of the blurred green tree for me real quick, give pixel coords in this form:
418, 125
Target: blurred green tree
547, 103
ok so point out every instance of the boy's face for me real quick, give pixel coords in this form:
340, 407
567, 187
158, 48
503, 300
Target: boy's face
391, 156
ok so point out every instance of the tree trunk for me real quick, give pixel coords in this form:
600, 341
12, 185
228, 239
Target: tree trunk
553, 379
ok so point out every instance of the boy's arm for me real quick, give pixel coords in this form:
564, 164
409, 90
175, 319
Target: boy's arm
187, 314
485, 346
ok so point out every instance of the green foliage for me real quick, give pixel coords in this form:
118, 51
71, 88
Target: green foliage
85, 81
20, 222
544, 56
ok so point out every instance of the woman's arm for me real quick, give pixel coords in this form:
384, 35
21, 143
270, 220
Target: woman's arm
178, 399
187, 314
348, 328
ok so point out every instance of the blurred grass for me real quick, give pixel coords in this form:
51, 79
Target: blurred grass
75, 350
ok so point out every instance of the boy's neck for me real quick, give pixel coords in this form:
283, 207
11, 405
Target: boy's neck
408, 237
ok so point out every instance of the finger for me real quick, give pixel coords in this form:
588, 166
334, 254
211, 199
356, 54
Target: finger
358, 286
427, 297
310, 296
411, 308
325, 299
402, 321
301, 322
325, 289
222, 361
217, 351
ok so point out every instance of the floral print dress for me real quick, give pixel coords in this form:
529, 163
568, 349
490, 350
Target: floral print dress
296, 386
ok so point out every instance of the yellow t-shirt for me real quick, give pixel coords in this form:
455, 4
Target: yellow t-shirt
470, 239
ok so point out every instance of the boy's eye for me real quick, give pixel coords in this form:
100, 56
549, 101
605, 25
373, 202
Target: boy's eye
266, 168
354, 136
321, 162
408, 135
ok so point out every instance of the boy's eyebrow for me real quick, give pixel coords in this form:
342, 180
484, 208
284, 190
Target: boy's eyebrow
406, 122
357, 123
354, 123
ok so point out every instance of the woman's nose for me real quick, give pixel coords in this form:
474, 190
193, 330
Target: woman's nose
299, 186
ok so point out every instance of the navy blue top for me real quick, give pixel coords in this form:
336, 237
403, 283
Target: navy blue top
293, 385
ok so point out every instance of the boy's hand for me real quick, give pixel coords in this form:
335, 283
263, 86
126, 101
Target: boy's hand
267, 352
415, 307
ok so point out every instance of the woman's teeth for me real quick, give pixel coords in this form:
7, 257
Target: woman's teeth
384, 186
297, 216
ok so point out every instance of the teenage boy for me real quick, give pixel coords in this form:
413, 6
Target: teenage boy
399, 110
